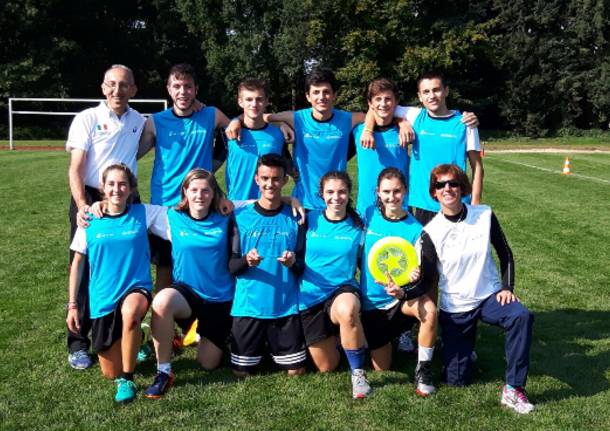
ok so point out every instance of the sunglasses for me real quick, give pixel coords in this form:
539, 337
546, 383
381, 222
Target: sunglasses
439, 185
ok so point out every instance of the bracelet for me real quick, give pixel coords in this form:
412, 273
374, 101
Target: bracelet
71, 305
366, 129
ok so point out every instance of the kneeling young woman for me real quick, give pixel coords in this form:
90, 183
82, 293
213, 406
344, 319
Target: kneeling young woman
389, 310
120, 283
329, 296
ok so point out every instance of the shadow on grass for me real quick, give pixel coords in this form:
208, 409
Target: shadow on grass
569, 345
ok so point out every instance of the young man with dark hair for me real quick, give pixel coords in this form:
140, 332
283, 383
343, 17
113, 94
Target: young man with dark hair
440, 137
257, 138
263, 260
183, 138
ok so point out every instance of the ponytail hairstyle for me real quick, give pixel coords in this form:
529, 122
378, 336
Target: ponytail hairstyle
200, 174
342, 176
387, 174
131, 179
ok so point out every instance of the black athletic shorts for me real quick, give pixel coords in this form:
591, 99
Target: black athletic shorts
160, 250
108, 329
283, 335
317, 325
214, 318
382, 326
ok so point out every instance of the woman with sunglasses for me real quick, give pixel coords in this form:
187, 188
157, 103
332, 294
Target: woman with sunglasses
470, 287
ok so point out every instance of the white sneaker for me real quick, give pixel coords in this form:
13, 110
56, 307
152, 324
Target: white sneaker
360, 385
516, 399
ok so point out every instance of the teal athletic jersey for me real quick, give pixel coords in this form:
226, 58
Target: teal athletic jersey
377, 227
119, 258
200, 253
331, 257
182, 143
387, 154
269, 290
438, 140
242, 158
320, 147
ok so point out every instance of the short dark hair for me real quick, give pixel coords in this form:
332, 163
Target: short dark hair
433, 74
182, 71
272, 160
320, 75
379, 85
252, 84
449, 169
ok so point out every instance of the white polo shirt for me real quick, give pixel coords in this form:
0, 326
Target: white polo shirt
106, 138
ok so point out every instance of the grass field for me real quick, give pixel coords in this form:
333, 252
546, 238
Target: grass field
558, 227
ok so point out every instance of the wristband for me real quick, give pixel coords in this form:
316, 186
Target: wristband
366, 129
71, 306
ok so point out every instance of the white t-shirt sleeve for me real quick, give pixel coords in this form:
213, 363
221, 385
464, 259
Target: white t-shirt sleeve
472, 139
242, 203
79, 242
409, 113
80, 132
156, 220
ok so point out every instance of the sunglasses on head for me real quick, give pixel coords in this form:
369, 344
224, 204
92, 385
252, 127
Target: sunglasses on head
439, 185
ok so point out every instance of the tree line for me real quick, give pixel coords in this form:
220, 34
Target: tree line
535, 67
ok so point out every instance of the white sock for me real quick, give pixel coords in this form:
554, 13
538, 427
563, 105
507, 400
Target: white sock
165, 367
425, 353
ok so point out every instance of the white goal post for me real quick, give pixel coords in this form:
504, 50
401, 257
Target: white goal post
12, 112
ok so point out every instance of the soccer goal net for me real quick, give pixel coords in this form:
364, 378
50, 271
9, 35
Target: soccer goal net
64, 103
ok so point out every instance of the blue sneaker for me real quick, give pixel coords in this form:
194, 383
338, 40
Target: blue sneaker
125, 390
160, 385
80, 360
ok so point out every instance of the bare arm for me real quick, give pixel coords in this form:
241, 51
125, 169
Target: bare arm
148, 138
476, 166
76, 175
285, 116
76, 274
221, 119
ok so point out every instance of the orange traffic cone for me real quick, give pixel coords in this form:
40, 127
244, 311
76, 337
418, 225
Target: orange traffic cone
567, 167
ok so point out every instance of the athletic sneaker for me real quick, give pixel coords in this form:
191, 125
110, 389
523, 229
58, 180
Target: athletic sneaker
144, 353
405, 343
360, 385
160, 385
516, 399
423, 379
80, 360
125, 390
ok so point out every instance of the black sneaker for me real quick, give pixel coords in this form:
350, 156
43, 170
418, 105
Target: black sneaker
423, 379
160, 385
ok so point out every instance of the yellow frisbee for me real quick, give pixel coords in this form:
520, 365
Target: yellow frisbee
394, 255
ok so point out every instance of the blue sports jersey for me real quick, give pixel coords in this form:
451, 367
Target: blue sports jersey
200, 252
387, 154
119, 258
269, 290
377, 227
320, 147
438, 140
242, 158
182, 143
331, 257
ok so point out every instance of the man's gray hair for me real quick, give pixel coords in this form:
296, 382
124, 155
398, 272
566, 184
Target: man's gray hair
121, 66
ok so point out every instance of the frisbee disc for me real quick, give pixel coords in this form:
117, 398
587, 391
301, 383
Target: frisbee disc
394, 255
